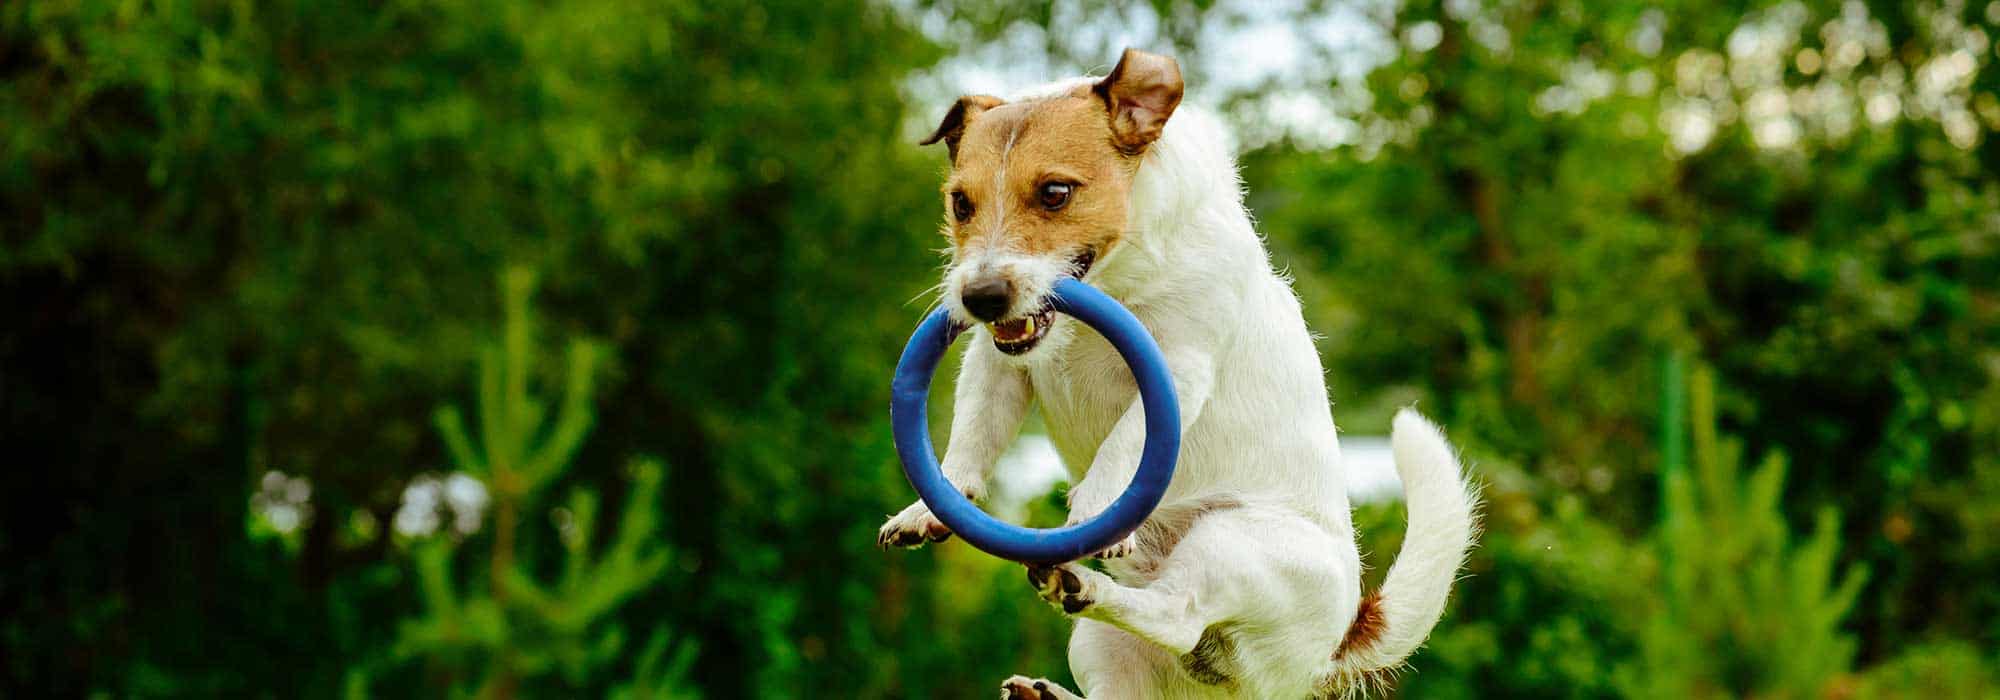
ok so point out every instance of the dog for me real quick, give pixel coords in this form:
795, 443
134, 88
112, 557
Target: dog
1246, 581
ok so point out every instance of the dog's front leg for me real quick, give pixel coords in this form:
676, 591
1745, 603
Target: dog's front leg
1118, 457
987, 408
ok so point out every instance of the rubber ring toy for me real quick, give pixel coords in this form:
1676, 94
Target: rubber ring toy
909, 418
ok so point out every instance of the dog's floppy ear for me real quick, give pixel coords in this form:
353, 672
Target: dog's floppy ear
955, 120
1140, 94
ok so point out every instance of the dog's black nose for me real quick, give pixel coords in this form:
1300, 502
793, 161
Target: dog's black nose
987, 299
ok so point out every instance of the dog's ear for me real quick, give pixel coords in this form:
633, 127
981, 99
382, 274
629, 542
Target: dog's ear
1140, 94
955, 120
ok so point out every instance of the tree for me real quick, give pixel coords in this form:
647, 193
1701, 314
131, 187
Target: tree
1542, 202
494, 635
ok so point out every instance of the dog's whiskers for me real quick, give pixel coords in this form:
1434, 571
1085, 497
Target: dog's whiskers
932, 292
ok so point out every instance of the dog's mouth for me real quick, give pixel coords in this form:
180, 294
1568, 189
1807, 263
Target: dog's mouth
1018, 335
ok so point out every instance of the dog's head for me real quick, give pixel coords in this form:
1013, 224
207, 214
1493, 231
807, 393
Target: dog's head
1039, 190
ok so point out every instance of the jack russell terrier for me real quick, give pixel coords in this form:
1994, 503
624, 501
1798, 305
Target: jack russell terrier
1245, 582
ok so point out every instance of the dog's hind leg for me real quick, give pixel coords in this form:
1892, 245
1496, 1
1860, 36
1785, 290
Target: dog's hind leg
1166, 618
1113, 664
1025, 688
1252, 600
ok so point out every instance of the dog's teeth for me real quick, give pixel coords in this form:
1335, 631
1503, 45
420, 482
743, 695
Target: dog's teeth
1029, 328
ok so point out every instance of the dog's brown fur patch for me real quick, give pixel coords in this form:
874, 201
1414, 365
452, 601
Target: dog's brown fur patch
1368, 624
1140, 94
1004, 153
1010, 152
1213, 660
953, 127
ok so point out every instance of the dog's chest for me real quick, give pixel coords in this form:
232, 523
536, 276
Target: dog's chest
1082, 394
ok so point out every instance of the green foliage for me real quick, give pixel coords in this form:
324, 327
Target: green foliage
493, 635
1743, 611
1718, 601
1519, 228
254, 242
1545, 610
259, 236
511, 421
1936, 671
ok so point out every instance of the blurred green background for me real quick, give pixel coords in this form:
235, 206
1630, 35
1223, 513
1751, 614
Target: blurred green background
433, 348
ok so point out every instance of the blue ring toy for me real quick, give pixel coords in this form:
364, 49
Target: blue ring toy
910, 396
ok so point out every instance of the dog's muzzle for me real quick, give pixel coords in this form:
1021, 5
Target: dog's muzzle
988, 300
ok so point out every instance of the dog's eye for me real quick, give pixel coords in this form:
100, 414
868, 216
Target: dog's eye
961, 207
1054, 195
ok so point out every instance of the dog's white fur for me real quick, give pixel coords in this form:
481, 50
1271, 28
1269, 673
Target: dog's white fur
1253, 544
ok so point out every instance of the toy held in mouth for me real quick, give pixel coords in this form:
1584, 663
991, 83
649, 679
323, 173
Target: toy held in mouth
910, 394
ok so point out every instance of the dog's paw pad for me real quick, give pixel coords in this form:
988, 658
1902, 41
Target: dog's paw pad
913, 527
1025, 688
1066, 586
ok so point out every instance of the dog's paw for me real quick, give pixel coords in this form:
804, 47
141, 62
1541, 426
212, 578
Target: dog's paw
912, 528
1025, 688
1069, 587
1122, 548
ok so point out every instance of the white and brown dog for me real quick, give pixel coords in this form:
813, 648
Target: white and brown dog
1245, 583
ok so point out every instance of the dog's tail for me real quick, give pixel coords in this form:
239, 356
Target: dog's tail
1393, 621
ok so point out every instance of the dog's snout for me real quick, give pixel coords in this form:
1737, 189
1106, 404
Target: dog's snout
987, 299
